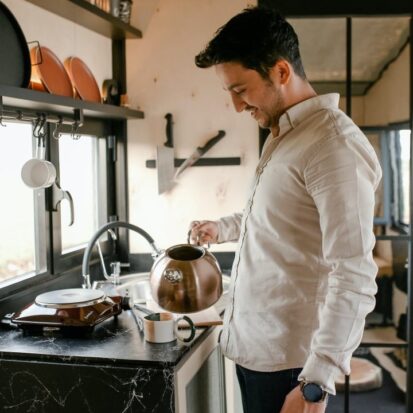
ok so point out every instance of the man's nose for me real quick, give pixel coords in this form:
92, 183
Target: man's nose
238, 102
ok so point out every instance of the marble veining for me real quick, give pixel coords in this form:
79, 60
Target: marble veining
31, 387
111, 369
115, 340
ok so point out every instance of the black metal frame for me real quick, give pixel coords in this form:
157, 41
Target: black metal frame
349, 9
409, 385
85, 13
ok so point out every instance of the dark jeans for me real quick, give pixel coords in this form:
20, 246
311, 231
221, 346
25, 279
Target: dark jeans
265, 392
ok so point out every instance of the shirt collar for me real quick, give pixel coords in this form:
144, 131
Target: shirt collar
292, 117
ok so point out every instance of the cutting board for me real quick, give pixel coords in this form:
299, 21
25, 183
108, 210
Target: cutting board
204, 318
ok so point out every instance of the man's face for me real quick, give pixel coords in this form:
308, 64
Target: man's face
252, 93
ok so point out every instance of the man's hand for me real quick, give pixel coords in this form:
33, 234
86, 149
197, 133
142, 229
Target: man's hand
295, 403
204, 231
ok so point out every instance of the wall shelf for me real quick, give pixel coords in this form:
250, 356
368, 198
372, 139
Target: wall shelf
88, 15
15, 97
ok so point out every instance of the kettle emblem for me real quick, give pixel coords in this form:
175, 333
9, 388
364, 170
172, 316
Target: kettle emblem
173, 275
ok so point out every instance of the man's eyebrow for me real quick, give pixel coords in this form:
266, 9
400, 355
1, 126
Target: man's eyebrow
230, 87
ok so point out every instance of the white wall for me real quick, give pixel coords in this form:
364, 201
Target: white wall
64, 37
388, 100
162, 78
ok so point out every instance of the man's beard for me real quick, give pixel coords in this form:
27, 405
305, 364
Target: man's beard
272, 115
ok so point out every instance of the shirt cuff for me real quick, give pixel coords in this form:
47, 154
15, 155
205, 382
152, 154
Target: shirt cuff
228, 228
318, 370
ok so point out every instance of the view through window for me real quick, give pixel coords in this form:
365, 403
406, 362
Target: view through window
405, 173
82, 170
18, 255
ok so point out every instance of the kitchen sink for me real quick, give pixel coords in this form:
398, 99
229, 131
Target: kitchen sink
137, 287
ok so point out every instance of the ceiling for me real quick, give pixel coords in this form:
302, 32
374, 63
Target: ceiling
376, 41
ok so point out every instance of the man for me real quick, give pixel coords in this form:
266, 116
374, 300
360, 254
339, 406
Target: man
303, 275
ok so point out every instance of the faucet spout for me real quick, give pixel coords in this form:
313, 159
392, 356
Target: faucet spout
108, 227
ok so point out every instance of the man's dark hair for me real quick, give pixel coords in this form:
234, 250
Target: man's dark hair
257, 38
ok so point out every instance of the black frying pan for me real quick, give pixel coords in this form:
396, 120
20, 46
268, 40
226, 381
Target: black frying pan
15, 67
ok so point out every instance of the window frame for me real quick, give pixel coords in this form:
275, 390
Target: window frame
399, 225
58, 263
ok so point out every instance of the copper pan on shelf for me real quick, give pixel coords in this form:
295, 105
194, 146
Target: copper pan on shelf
50, 75
83, 81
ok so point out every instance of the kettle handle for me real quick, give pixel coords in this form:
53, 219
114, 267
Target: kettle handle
188, 240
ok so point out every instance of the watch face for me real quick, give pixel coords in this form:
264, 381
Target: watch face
312, 392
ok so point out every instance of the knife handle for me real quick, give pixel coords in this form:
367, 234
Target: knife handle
213, 141
169, 134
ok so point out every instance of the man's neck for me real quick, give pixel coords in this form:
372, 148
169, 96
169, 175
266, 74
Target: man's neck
299, 91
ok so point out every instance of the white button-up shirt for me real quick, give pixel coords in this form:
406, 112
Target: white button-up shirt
303, 277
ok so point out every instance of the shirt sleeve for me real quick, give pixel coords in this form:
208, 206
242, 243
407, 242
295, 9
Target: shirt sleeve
229, 228
342, 177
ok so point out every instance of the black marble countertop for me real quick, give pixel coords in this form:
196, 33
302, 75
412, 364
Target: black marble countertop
116, 341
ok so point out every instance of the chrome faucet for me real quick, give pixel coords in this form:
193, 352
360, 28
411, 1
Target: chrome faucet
108, 227
102, 261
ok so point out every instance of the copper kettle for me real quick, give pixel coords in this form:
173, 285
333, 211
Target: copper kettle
186, 278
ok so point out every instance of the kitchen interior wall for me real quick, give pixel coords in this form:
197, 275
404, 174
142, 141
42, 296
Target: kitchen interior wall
388, 100
162, 78
64, 37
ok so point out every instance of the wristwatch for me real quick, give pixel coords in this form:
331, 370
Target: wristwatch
313, 392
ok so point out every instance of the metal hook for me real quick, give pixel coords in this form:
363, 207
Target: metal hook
75, 127
42, 127
39, 125
56, 133
35, 126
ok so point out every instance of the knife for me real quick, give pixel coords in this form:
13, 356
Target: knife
199, 151
165, 159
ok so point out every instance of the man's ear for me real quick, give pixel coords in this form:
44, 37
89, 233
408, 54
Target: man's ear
281, 72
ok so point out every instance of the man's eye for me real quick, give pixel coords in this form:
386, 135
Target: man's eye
239, 92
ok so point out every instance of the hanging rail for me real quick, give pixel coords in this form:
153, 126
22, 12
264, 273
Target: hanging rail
58, 120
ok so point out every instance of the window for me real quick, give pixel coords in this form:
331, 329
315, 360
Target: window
21, 225
36, 239
392, 145
83, 173
402, 175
